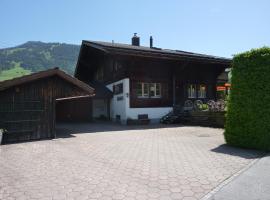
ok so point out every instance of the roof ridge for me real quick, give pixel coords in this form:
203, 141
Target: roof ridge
154, 50
43, 74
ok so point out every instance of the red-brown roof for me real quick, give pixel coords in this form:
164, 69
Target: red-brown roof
44, 74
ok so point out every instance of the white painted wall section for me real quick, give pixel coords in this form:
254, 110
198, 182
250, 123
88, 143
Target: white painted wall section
123, 109
153, 113
118, 107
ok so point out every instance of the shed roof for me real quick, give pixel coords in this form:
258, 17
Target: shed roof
108, 47
44, 74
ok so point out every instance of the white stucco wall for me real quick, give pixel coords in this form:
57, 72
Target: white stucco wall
123, 109
153, 113
119, 107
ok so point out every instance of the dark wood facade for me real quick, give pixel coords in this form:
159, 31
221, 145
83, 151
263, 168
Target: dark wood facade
174, 70
27, 104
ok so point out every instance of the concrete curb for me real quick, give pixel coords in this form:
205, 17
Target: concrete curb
228, 180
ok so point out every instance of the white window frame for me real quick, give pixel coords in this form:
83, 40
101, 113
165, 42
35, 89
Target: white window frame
192, 93
155, 90
202, 93
145, 94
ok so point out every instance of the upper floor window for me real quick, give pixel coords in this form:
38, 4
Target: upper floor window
146, 90
99, 74
192, 91
117, 66
202, 91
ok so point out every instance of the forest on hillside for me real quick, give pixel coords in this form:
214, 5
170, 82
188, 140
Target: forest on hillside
36, 56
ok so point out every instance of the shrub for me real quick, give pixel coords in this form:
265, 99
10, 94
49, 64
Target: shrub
248, 116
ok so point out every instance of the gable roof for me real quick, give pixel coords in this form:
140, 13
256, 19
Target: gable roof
44, 74
127, 49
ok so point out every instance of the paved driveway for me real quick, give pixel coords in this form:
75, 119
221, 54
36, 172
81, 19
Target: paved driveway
105, 161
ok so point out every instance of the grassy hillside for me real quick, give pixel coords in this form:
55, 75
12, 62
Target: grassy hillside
13, 73
36, 56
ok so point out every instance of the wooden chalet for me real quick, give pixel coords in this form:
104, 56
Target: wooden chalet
28, 103
148, 81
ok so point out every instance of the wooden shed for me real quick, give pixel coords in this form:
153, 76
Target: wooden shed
27, 104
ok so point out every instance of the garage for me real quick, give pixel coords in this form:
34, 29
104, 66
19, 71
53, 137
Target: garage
28, 103
85, 108
74, 109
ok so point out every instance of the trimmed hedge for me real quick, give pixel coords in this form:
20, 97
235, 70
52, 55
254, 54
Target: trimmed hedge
248, 117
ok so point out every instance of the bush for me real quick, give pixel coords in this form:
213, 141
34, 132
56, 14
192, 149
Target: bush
248, 117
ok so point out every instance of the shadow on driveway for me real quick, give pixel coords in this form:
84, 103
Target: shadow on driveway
66, 130
240, 152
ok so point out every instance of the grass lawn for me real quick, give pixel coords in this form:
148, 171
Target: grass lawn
17, 71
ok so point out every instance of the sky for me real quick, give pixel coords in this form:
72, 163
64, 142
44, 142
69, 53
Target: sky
216, 27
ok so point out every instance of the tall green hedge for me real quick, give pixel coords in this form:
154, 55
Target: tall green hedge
248, 116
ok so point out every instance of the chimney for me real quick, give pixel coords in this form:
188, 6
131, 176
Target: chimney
151, 42
135, 40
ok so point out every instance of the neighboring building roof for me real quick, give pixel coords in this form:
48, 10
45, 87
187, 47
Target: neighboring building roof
44, 74
152, 52
101, 91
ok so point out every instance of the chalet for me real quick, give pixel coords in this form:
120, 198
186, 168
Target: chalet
147, 82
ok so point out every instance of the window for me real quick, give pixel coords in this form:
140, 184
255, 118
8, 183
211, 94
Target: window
143, 90
99, 74
155, 90
118, 89
192, 91
196, 91
139, 90
117, 65
146, 90
202, 91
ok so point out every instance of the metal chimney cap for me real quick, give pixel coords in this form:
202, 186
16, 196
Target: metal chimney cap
151, 41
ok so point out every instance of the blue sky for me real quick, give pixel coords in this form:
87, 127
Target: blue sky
218, 27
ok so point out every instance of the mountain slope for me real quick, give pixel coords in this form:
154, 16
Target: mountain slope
37, 56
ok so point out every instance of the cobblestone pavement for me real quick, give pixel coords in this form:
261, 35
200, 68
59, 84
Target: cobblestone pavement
152, 163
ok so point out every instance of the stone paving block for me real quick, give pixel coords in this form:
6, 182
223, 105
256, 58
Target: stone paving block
136, 163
